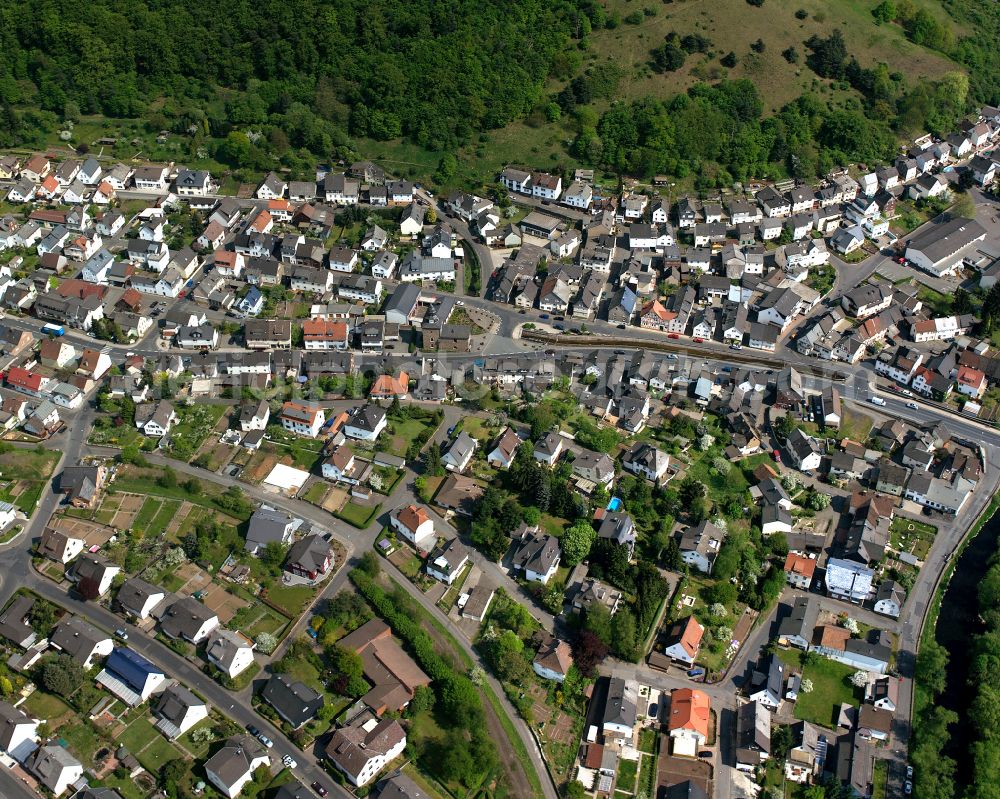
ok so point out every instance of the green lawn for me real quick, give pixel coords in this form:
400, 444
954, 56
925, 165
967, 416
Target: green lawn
150, 507
907, 535
293, 598
143, 481
854, 425
719, 485
880, 778
45, 706
196, 749
316, 492
158, 754
138, 734
626, 775
401, 432
647, 774
267, 622
33, 468
197, 422
356, 515
647, 740
81, 739
305, 452
111, 436
124, 785
831, 688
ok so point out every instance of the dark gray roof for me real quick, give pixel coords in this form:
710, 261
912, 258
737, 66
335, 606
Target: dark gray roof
185, 617
294, 701
174, 703
77, 638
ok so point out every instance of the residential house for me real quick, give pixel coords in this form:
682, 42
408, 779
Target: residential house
799, 570
302, 419
458, 453
538, 556
93, 575
155, 418
364, 747
553, 660
446, 560
699, 546
229, 651
366, 423
796, 629
139, 598
268, 525
59, 546
54, 767
234, 764
594, 467
81, 641
688, 723
294, 701
18, 732
889, 599
414, 524
768, 685
309, 558
684, 641
620, 707
848, 580
130, 677
753, 736
646, 461
188, 619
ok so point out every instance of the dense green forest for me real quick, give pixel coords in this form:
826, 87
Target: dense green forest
313, 77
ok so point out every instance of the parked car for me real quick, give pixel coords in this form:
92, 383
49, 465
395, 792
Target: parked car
672, 335
705, 753
907, 787
319, 789
909, 772
121, 633
265, 740
253, 730
289, 761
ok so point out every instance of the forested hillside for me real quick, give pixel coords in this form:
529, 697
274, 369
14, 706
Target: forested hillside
433, 70
709, 92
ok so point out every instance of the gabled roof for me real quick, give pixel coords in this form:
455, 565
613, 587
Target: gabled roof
688, 633
689, 710
295, 701
77, 638
130, 667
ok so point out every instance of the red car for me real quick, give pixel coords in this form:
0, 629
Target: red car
672, 335
777, 456
698, 340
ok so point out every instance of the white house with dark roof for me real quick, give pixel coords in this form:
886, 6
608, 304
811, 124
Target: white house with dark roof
177, 710
54, 767
233, 766
229, 651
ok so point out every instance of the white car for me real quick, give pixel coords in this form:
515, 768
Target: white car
289, 761
265, 740
913, 406
877, 401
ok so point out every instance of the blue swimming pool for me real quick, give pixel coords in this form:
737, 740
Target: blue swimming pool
615, 504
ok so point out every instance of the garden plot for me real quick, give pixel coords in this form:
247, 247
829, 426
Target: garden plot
222, 603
